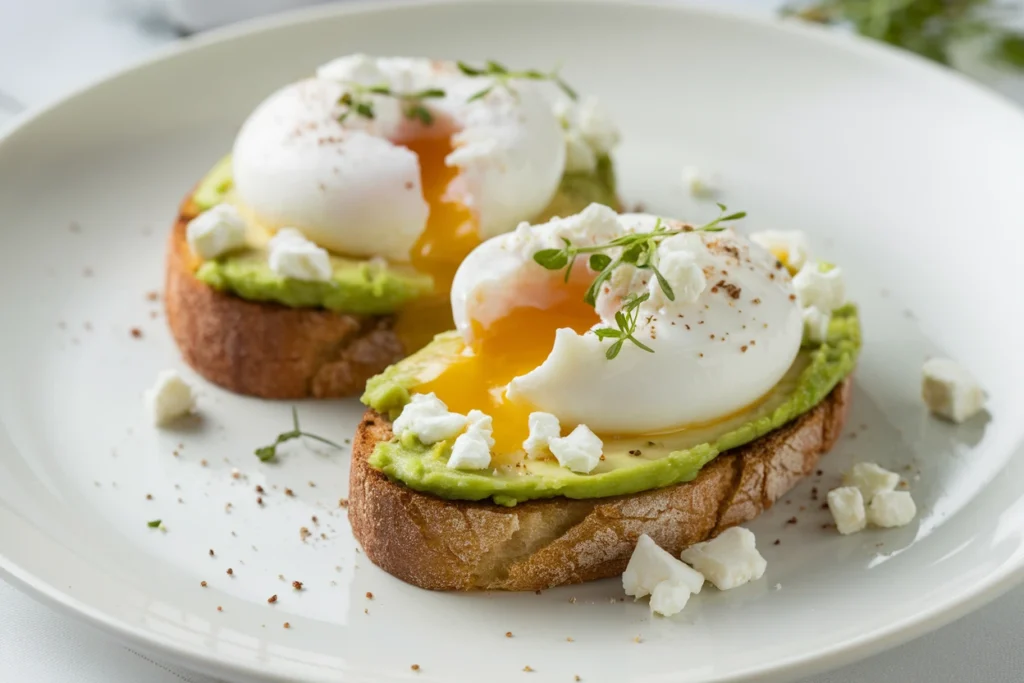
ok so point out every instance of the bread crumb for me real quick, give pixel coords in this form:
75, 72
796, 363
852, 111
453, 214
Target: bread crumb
508, 634
297, 585
569, 639
528, 668
287, 625
369, 595
272, 599
289, 492
219, 608
136, 333
231, 572
203, 584
415, 667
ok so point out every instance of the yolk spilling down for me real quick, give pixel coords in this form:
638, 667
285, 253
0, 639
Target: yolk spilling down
513, 345
451, 233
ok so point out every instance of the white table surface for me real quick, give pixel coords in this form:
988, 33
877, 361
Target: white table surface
50, 46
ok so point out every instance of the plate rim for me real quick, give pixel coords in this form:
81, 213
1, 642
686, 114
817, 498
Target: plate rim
1003, 579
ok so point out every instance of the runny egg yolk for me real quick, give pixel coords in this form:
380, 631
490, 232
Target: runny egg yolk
450, 234
513, 345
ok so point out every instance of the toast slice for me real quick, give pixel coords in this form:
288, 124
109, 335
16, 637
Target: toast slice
266, 349
443, 544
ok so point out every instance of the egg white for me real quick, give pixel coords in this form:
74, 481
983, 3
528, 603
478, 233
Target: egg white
352, 187
712, 357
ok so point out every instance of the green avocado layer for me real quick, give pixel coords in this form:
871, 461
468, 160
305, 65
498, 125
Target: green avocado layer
631, 464
357, 286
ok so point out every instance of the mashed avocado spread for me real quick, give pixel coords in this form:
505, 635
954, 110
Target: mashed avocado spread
359, 286
630, 464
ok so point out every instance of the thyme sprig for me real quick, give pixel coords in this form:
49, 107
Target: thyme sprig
638, 249
502, 75
268, 453
626, 321
358, 100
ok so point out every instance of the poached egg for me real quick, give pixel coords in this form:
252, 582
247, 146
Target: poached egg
533, 344
423, 190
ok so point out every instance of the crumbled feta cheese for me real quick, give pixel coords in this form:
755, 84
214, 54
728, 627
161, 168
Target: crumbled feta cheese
169, 399
595, 224
472, 450
684, 276
427, 418
891, 508
699, 186
669, 598
543, 428
820, 287
596, 126
294, 256
729, 560
650, 568
847, 507
950, 391
579, 452
789, 246
816, 324
870, 479
216, 231
579, 155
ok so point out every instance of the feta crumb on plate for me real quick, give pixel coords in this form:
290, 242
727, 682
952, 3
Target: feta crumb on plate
870, 479
846, 504
293, 256
216, 231
891, 509
650, 567
698, 184
169, 399
579, 452
950, 391
728, 560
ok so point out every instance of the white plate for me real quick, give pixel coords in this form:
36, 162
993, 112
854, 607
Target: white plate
907, 175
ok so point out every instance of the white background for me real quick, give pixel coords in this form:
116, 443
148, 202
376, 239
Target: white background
50, 46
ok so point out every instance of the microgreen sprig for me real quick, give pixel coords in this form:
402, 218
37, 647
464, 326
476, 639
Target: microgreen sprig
638, 249
626, 321
268, 453
357, 100
502, 75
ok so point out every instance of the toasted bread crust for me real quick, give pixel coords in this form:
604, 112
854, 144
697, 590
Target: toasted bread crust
265, 349
457, 545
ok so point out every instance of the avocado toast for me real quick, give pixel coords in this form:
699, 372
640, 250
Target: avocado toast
529, 517
323, 248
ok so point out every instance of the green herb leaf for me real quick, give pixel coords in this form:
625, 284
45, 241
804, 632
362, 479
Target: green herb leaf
269, 453
356, 100
607, 333
502, 77
552, 259
599, 262
155, 524
663, 283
